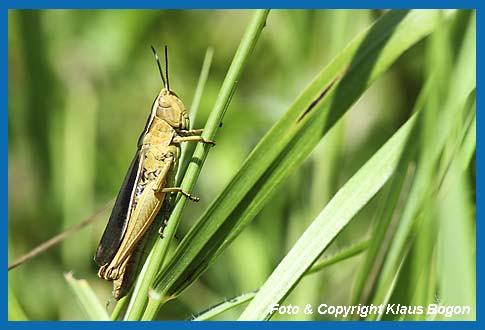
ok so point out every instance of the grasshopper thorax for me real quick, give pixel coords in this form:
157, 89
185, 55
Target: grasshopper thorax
170, 108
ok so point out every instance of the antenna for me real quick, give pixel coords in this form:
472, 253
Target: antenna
166, 66
159, 66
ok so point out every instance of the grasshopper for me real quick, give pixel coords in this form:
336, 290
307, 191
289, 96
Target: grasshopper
146, 187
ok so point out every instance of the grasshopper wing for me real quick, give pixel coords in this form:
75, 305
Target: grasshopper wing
118, 221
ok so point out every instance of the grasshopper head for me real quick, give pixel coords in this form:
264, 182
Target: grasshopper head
168, 105
171, 109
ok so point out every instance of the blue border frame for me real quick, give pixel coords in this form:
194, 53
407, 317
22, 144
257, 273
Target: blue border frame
23, 4
249, 4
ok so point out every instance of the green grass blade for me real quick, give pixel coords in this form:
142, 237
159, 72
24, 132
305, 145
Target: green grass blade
188, 149
335, 216
470, 140
224, 306
457, 238
433, 163
87, 298
115, 314
290, 141
241, 299
343, 255
456, 246
367, 274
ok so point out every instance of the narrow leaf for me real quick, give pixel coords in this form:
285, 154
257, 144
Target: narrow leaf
87, 298
335, 216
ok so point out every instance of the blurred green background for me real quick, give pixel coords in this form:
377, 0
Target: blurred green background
81, 84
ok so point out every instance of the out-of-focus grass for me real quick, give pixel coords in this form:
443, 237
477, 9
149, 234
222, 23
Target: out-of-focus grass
78, 99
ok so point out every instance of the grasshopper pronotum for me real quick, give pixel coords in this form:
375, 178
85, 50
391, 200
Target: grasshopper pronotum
150, 177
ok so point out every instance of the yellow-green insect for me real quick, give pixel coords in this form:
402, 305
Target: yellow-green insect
150, 177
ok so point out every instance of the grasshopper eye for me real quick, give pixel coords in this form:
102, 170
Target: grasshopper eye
162, 101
